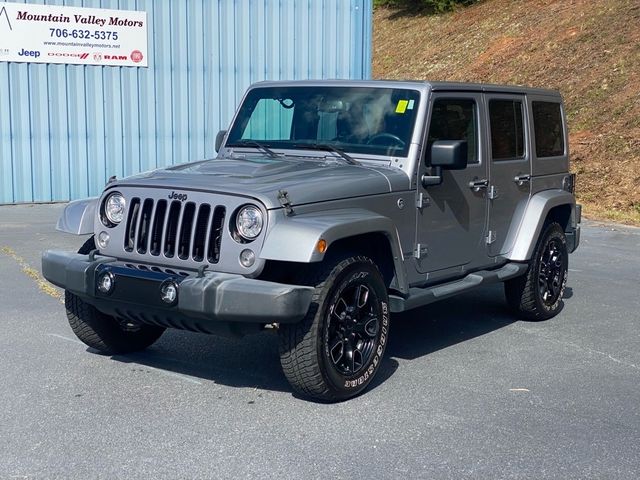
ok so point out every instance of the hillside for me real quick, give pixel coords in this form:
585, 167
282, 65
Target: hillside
587, 49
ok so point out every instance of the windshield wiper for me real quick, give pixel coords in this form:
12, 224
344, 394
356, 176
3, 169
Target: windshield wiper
327, 148
253, 143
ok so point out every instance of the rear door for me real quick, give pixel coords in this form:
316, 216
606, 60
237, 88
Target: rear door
509, 168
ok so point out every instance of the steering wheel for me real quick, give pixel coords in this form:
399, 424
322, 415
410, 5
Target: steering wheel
388, 136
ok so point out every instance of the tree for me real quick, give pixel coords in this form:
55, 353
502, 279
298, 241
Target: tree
435, 6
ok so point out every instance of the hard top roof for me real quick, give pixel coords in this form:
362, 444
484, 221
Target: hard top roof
414, 84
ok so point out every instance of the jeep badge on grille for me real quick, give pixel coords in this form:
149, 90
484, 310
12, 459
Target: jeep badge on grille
177, 196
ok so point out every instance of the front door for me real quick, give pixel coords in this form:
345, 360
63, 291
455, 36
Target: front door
509, 169
451, 221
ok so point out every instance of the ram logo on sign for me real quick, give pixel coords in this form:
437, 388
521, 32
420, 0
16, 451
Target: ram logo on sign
82, 36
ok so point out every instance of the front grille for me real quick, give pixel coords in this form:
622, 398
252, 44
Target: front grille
185, 230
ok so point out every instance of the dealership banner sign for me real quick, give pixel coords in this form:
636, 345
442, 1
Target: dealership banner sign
81, 36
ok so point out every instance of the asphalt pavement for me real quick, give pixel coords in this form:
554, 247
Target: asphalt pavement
466, 390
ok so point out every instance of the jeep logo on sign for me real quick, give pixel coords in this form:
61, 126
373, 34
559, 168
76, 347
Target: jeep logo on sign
178, 196
29, 53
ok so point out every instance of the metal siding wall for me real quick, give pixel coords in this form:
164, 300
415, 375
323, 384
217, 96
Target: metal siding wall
65, 129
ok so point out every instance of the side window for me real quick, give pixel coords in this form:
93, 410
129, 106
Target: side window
507, 135
547, 124
456, 119
261, 125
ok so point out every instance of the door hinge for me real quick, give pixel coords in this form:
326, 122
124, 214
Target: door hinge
420, 251
422, 200
493, 192
491, 237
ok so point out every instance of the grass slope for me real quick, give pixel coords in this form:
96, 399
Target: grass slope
587, 49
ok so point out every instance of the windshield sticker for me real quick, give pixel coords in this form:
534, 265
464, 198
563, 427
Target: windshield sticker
410, 106
402, 106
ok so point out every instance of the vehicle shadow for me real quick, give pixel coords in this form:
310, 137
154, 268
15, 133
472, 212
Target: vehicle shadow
252, 361
248, 362
448, 322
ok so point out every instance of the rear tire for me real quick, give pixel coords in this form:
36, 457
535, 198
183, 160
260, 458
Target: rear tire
103, 332
335, 351
537, 295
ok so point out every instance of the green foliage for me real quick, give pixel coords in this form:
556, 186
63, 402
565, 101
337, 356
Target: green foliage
433, 6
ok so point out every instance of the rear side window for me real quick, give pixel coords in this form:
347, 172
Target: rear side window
547, 123
507, 135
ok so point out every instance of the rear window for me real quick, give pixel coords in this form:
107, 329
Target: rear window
507, 135
547, 122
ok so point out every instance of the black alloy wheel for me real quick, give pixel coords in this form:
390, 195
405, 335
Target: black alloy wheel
551, 272
335, 351
537, 295
352, 328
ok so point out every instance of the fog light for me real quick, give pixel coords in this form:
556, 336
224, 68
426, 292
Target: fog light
103, 239
169, 292
247, 258
106, 282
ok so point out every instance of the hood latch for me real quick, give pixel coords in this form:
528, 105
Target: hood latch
285, 201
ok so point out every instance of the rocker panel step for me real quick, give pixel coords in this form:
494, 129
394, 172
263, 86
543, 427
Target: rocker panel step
419, 297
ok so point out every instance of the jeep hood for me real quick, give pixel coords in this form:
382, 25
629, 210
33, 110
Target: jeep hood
306, 179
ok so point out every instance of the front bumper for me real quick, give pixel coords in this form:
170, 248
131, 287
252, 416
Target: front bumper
211, 298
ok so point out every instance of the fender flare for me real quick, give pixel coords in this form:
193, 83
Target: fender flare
78, 216
533, 220
294, 239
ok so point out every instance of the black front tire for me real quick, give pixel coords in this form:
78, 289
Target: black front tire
537, 295
104, 332
335, 351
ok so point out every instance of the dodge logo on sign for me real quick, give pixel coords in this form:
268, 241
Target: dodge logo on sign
81, 56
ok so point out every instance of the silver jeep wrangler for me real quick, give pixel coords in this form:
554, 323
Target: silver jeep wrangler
331, 205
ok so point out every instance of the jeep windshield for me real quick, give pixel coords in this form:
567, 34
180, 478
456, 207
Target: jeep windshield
370, 121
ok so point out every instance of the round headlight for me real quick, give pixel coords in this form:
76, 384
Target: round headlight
114, 208
249, 222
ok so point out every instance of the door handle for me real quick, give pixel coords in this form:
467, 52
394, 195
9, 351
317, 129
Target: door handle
477, 185
522, 179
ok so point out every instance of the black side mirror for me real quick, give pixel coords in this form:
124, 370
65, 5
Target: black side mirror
449, 154
445, 155
220, 139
